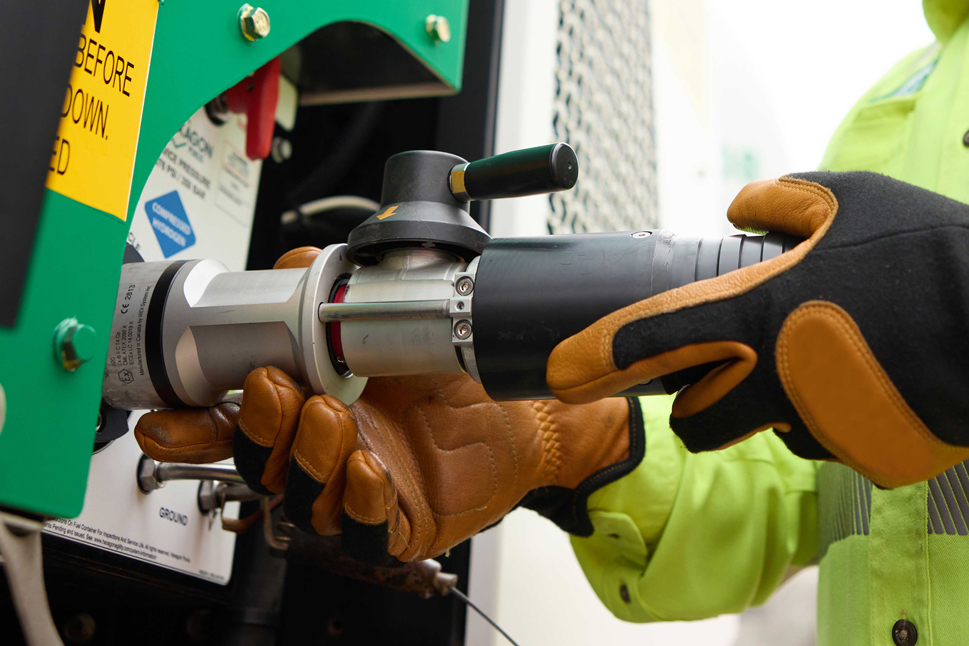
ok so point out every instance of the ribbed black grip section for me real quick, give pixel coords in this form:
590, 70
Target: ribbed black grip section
532, 293
544, 169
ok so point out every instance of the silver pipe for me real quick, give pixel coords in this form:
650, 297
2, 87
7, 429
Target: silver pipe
236, 492
332, 312
166, 471
153, 475
212, 496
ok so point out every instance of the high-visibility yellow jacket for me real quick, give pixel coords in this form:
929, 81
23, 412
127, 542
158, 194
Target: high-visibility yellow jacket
687, 536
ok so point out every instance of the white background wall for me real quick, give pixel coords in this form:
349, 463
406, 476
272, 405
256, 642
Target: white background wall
743, 89
766, 79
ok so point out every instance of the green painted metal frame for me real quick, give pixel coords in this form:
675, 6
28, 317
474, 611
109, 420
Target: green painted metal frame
198, 52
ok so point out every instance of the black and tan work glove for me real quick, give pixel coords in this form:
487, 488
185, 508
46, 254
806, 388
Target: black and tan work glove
416, 465
854, 345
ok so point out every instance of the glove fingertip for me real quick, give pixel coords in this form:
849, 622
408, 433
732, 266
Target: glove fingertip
367, 490
369, 504
251, 459
367, 543
302, 492
196, 436
578, 360
298, 258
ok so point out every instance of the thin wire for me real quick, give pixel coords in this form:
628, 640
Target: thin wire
460, 595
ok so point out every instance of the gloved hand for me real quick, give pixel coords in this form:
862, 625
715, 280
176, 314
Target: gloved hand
416, 465
854, 345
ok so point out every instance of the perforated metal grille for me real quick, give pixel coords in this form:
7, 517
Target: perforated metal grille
604, 109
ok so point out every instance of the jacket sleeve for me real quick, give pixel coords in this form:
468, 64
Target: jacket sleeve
688, 536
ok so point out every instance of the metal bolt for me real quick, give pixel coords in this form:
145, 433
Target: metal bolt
335, 626
79, 629
438, 27
462, 330
281, 149
198, 626
146, 475
254, 22
74, 344
641, 234
464, 286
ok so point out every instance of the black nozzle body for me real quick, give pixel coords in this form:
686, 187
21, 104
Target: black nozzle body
531, 294
418, 210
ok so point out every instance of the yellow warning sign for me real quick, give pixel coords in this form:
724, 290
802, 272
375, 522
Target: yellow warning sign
94, 153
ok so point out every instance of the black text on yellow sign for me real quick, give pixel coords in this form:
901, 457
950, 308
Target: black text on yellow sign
94, 152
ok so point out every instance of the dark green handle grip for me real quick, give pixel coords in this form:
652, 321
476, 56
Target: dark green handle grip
543, 169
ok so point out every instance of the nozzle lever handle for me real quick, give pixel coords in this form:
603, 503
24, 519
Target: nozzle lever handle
543, 169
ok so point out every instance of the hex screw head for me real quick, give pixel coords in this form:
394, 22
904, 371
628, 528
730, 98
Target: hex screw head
464, 286
253, 22
462, 330
438, 27
79, 628
146, 475
74, 344
281, 149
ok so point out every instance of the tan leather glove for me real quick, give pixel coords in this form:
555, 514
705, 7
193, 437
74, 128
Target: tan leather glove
416, 465
852, 346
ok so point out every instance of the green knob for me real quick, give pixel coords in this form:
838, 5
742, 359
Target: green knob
74, 343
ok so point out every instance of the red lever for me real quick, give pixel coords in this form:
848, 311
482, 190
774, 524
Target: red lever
256, 96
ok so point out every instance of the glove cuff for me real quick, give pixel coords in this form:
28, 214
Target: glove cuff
567, 508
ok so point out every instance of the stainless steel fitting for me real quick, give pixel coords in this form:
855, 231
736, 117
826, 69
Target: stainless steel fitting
184, 333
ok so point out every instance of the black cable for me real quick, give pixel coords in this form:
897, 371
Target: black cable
460, 595
324, 177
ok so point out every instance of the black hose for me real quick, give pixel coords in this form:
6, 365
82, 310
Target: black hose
322, 179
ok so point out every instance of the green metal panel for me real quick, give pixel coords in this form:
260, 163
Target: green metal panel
46, 440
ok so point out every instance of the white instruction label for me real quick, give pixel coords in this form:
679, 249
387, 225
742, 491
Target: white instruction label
200, 198
164, 527
198, 202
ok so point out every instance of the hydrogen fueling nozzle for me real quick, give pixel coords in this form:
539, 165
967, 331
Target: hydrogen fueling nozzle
419, 288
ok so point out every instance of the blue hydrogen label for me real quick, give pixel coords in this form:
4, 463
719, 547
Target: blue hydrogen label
170, 223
